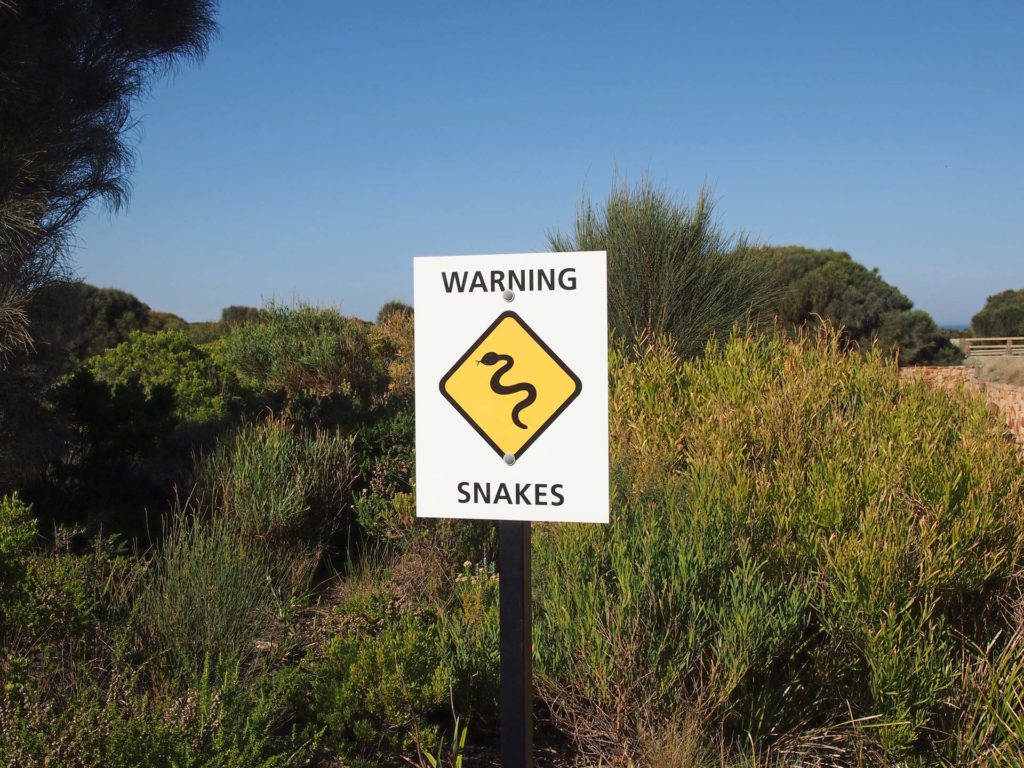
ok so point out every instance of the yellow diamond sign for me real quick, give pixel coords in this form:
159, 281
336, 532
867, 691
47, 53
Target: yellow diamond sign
510, 386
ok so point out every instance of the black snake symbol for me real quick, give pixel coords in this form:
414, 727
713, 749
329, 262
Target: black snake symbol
491, 358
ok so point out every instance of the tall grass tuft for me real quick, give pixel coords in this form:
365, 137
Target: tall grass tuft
214, 594
671, 268
991, 699
799, 545
278, 483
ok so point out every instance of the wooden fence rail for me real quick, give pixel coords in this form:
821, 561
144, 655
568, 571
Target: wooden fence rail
992, 346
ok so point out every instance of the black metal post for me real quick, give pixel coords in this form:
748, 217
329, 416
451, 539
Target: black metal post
516, 644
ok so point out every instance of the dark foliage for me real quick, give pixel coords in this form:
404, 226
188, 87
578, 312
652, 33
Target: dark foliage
109, 468
74, 321
71, 71
29, 431
70, 322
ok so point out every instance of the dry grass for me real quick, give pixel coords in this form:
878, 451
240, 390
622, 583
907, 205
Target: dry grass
1003, 370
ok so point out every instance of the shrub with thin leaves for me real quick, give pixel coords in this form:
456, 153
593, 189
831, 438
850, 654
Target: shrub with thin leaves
798, 541
672, 270
14, 325
306, 352
990, 698
214, 593
393, 343
279, 483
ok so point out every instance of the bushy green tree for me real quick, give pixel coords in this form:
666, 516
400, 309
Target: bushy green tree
1002, 315
671, 269
826, 285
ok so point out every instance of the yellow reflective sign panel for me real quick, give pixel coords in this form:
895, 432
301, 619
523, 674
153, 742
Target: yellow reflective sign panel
510, 386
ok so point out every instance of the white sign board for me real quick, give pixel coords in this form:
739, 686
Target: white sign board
512, 387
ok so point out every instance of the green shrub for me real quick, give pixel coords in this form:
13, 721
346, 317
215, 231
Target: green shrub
214, 593
385, 455
307, 352
50, 602
17, 535
469, 625
383, 682
796, 540
415, 645
67, 596
387, 518
202, 391
278, 483
392, 340
990, 697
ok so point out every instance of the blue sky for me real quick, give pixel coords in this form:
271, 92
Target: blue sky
322, 145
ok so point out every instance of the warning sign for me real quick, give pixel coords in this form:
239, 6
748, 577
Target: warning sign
510, 386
